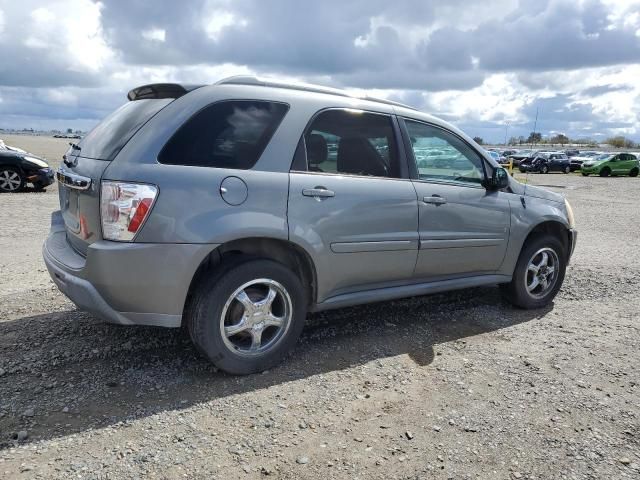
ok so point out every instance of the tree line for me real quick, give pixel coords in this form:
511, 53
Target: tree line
535, 138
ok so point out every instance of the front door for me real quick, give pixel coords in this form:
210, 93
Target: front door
349, 205
464, 228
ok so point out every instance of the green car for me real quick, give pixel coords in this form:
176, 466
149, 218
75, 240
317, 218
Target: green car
612, 164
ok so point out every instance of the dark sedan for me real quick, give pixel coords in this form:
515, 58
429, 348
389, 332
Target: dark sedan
545, 162
18, 169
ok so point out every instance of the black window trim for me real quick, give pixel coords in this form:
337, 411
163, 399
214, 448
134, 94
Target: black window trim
413, 164
402, 163
226, 100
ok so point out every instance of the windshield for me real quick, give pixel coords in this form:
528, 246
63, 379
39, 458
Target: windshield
107, 139
604, 156
494, 155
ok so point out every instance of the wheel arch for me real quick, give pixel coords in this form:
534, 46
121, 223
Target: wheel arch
286, 252
552, 227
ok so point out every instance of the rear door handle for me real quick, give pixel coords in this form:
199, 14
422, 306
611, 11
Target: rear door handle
318, 192
434, 199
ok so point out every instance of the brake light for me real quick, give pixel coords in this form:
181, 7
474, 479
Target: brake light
124, 207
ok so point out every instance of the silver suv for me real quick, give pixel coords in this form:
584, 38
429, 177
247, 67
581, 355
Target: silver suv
236, 208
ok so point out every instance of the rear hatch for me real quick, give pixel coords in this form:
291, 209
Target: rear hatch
84, 164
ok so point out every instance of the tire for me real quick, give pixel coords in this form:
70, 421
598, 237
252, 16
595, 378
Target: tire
223, 300
567, 169
519, 291
11, 179
585, 174
633, 172
605, 172
522, 170
544, 169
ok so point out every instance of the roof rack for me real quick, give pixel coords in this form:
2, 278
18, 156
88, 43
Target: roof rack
305, 87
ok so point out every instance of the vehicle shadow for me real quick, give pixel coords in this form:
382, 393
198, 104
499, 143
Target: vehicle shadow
64, 373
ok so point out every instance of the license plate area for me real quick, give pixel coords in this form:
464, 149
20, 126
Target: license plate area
70, 207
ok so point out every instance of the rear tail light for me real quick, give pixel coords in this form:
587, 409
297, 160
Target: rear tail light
124, 207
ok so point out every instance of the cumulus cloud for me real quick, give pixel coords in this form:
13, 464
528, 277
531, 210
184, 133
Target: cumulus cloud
481, 64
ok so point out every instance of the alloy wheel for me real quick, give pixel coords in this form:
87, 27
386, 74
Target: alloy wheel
10, 180
542, 272
256, 317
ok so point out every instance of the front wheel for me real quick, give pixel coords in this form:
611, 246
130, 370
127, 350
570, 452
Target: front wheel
605, 172
585, 174
567, 169
11, 180
544, 169
539, 273
633, 172
248, 317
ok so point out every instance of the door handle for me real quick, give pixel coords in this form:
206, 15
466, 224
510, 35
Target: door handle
318, 192
434, 199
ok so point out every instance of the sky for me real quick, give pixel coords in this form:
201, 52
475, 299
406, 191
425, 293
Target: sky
484, 65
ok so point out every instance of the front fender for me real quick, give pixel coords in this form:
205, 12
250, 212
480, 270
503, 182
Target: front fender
525, 218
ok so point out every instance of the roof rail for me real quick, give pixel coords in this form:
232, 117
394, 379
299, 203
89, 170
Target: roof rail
160, 90
306, 87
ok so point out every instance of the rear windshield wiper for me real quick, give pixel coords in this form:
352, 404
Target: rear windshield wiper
74, 146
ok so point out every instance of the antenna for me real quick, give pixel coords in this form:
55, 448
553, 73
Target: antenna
535, 125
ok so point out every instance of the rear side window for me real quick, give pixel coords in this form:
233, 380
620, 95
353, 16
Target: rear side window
107, 139
352, 142
231, 134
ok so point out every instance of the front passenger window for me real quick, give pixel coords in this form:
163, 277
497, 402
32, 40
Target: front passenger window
442, 156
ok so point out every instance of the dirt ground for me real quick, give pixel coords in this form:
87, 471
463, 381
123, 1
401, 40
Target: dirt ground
452, 386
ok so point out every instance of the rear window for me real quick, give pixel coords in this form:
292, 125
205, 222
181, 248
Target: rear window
230, 134
107, 139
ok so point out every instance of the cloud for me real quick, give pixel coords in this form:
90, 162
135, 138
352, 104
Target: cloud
481, 64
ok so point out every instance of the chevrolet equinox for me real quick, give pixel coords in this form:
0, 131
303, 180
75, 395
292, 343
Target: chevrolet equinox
236, 208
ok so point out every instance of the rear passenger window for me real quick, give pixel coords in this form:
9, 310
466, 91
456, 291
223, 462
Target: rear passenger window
352, 142
230, 134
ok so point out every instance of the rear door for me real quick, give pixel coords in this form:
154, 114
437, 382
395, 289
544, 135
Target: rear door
351, 204
626, 163
464, 228
83, 165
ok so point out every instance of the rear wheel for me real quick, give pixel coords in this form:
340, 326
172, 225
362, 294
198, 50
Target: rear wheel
539, 273
633, 172
11, 180
248, 317
605, 172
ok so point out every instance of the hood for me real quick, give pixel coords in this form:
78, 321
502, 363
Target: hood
533, 191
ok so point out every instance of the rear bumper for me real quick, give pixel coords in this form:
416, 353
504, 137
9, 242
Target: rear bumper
124, 283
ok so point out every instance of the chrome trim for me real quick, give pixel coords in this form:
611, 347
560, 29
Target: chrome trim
73, 180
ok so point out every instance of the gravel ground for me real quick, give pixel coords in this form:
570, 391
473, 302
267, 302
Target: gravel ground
455, 386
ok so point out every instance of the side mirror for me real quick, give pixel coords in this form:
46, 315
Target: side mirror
498, 181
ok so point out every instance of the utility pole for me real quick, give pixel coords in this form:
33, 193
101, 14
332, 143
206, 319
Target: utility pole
506, 130
535, 125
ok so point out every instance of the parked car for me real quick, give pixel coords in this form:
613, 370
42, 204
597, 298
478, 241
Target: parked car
545, 162
521, 155
18, 168
507, 153
576, 162
571, 153
611, 164
495, 155
219, 207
